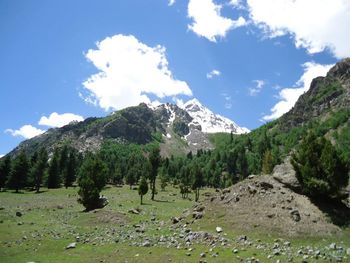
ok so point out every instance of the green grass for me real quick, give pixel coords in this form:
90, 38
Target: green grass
45, 229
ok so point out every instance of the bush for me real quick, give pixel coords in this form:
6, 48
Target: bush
319, 169
92, 179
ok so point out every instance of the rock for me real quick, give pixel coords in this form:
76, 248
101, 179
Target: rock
202, 255
295, 215
218, 229
265, 185
235, 251
348, 251
71, 245
20, 223
146, 244
175, 220
333, 246
251, 176
199, 208
134, 211
197, 215
252, 190
285, 174
59, 207
19, 214
103, 201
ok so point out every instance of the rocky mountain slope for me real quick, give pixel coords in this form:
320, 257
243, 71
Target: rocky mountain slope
179, 130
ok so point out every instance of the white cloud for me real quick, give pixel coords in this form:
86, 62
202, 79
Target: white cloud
258, 87
289, 96
129, 70
315, 24
171, 2
213, 73
2, 155
207, 20
26, 131
59, 120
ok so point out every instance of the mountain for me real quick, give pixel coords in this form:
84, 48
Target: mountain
210, 122
324, 108
179, 130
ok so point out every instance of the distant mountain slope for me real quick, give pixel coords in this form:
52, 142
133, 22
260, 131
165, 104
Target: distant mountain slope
178, 130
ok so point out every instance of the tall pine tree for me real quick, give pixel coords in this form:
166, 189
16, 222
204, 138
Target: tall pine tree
5, 169
19, 172
154, 159
38, 168
54, 179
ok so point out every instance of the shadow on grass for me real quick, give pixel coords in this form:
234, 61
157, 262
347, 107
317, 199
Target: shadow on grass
336, 210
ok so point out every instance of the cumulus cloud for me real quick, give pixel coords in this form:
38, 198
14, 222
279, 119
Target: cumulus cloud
213, 73
26, 131
171, 2
314, 24
289, 96
59, 120
259, 84
2, 155
207, 20
128, 72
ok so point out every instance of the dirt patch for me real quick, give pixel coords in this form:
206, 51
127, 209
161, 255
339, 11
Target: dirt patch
264, 204
102, 216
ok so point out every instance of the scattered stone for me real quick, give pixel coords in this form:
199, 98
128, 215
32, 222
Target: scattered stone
348, 251
71, 245
252, 190
175, 220
218, 229
146, 244
197, 215
235, 251
199, 208
333, 246
60, 207
134, 211
202, 255
265, 185
19, 214
20, 223
295, 215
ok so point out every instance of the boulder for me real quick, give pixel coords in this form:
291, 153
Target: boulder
71, 245
295, 215
218, 229
285, 174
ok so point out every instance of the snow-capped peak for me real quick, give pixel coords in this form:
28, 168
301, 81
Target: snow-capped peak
209, 121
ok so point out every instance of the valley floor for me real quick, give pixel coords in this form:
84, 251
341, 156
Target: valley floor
39, 227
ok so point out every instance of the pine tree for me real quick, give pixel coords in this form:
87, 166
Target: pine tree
131, 175
267, 162
38, 169
92, 178
5, 169
319, 169
54, 179
63, 162
143, 187
19, 172
154, 159
197, 180
70, 169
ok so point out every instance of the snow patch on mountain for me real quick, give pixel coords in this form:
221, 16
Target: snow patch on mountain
209, 121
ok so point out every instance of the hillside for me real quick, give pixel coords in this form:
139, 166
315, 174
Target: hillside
325, 108
177, 130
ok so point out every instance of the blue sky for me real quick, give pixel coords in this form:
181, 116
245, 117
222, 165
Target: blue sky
248, 60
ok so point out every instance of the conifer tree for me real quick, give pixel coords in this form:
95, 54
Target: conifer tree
92, 178
198, 182
267, 162
319, 169
38, 169
5, 169
54, 179
70, 169
154, 159
19, 172
143, 187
